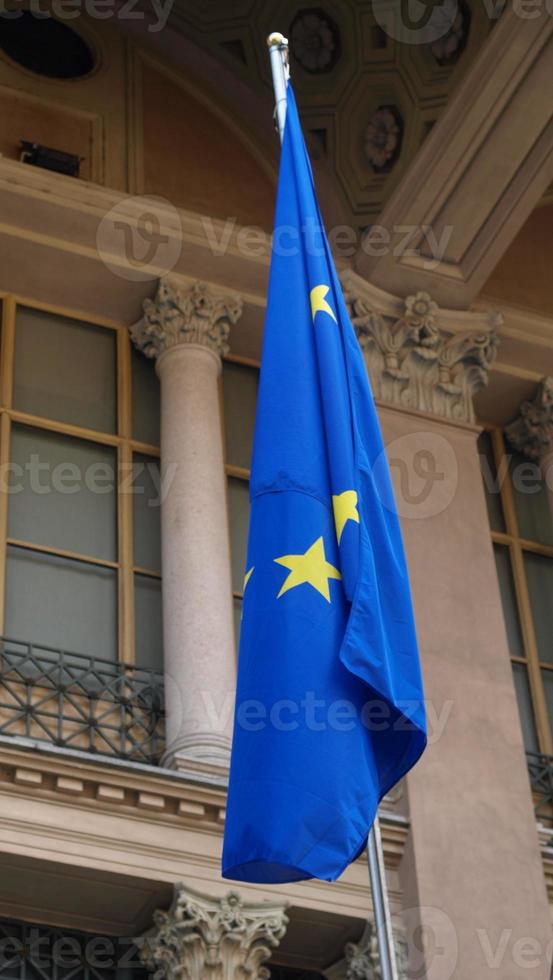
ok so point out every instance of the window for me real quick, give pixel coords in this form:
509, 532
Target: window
240, 378
80, 512
31, 951
522, 533
46, 46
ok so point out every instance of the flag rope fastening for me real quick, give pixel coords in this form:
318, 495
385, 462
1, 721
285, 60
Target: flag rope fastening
278, 51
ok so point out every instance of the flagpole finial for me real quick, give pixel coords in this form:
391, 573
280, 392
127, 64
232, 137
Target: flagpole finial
276, 39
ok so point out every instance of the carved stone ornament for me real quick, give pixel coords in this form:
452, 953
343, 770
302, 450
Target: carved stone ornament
447, 48
362, 960
532, 431
195, 314
202, 938
412, 363
382, 138
314, 41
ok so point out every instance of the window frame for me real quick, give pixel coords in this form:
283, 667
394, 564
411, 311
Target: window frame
517, 548
232, 471
122, 440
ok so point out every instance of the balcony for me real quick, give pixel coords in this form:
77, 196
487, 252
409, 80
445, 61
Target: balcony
540, 769
80, 702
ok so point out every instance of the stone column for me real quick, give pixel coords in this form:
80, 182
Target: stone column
203, 938
532, 432
471, 875
186, 330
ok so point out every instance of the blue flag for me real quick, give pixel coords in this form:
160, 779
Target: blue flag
329, 706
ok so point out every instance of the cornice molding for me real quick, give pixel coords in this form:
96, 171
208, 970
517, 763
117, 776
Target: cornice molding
452, 185
141, 793
78, 232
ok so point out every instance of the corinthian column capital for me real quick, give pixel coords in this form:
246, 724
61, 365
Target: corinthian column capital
202, 938
186, 314
361, 960
419, 356
532, 430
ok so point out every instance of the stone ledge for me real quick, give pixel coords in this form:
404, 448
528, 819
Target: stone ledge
190, 800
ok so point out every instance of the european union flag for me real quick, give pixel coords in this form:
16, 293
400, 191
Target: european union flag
329, 708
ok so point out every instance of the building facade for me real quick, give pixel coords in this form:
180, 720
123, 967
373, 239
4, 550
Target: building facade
137, 179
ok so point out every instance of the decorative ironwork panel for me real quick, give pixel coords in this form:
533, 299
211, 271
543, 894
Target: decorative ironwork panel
540, 768
32, 952
81, 702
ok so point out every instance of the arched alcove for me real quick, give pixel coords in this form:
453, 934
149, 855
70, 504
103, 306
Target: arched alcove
195, 158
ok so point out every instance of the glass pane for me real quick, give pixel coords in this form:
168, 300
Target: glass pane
539, 575
65, 370
239, 510
145, 399
531, 500
491, 486
61, 603
147, 512
239, 399
527, 722
547, 678
508, 599
62, 493
148, 622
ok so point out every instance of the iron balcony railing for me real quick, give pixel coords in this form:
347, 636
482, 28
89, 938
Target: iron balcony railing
38, 952
81, 702
540, 768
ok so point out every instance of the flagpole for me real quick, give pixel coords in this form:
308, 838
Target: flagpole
278, 51
382, 917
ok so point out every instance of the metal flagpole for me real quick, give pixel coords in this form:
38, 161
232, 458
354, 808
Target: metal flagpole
278, 50
382, 918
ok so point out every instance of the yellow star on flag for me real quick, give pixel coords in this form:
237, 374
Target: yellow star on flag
345, 509
318, 301
247, 578
311, 568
